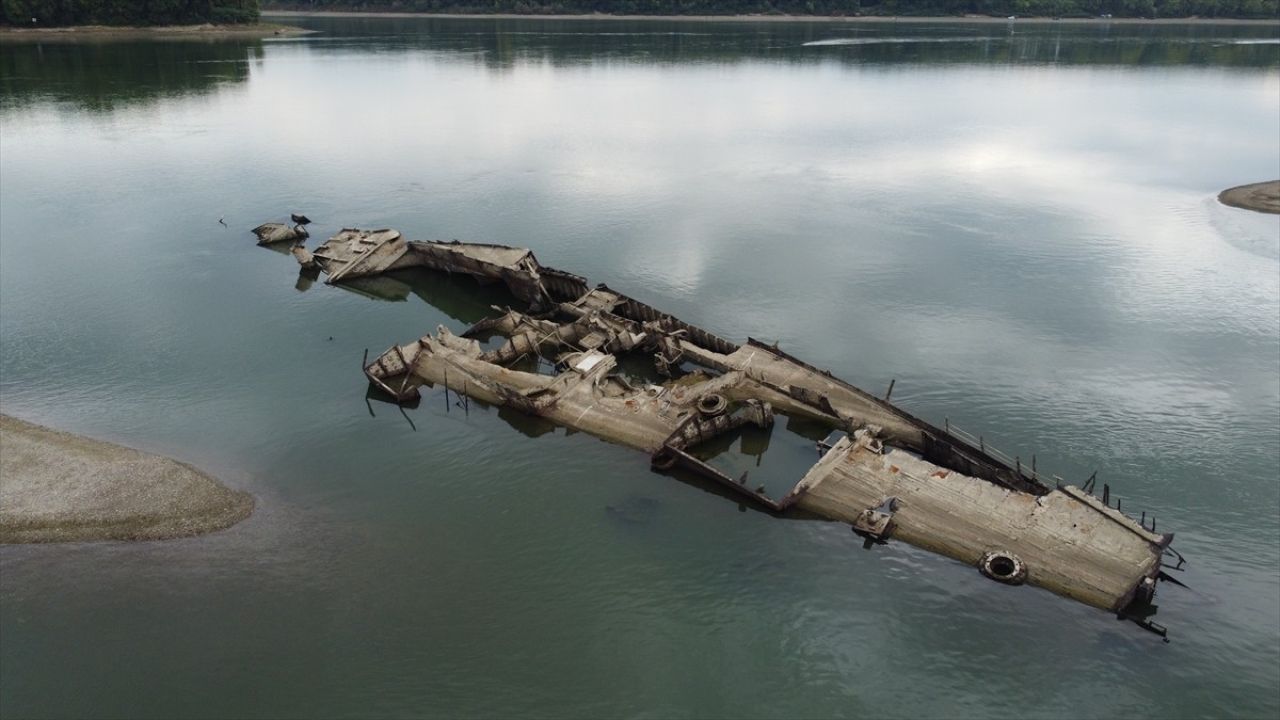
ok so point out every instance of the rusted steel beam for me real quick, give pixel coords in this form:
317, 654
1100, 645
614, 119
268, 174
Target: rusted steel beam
671, 457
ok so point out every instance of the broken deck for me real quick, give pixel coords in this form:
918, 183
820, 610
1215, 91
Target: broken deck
891, 475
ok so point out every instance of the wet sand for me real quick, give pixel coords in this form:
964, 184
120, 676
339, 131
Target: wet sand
1262, 197
165, 32
59, 487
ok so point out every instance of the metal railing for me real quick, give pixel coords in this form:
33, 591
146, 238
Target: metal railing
1088, 486
1015, 462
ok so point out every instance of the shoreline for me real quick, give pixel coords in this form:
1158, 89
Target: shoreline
206, 31
1263, 197
973, 19
60, 487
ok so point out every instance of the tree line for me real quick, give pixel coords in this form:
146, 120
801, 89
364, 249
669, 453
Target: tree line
179, 12
997, 8
48, 13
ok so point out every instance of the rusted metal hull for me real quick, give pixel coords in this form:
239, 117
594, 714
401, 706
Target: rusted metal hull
892, 475
1066, 541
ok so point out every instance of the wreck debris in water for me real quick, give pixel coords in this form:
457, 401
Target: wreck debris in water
889, 475
272, 233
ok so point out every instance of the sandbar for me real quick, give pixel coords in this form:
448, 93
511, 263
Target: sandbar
1262, 197
59, 487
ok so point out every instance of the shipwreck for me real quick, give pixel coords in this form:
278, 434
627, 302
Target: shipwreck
887, 474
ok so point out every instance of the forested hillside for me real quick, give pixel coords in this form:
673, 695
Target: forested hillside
47, 13
999, 8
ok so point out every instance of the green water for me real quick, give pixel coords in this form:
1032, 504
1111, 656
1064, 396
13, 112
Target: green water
1017, 222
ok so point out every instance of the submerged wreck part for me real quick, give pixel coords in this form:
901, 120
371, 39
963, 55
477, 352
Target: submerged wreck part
272, 233
586, 396
356, 253
661, 420
1065, 541
893, 475
304, 258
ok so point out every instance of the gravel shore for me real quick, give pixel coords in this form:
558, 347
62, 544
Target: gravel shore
1263, 197
59, 487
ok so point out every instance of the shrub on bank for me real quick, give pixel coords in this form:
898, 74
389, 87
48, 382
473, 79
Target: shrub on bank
55, 13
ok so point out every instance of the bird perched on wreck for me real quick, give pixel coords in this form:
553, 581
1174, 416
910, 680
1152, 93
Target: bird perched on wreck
299, 220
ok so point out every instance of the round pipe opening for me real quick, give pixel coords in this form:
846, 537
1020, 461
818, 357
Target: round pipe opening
1003, 567
712, 404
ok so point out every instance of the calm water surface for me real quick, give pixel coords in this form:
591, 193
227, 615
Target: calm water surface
1016, 222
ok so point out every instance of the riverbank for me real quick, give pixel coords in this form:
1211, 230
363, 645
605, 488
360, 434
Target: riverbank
164, 32
768, 18
1261, 197
59, 487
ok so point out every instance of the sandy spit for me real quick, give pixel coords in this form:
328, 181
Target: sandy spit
59, 487
1263, 197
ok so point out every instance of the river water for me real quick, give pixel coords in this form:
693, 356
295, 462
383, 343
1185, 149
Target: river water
1015, 221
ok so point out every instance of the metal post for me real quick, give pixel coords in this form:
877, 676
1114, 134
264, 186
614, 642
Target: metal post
890, 390
446, 390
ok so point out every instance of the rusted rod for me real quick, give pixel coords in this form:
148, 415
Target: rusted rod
406, 417
889, 392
